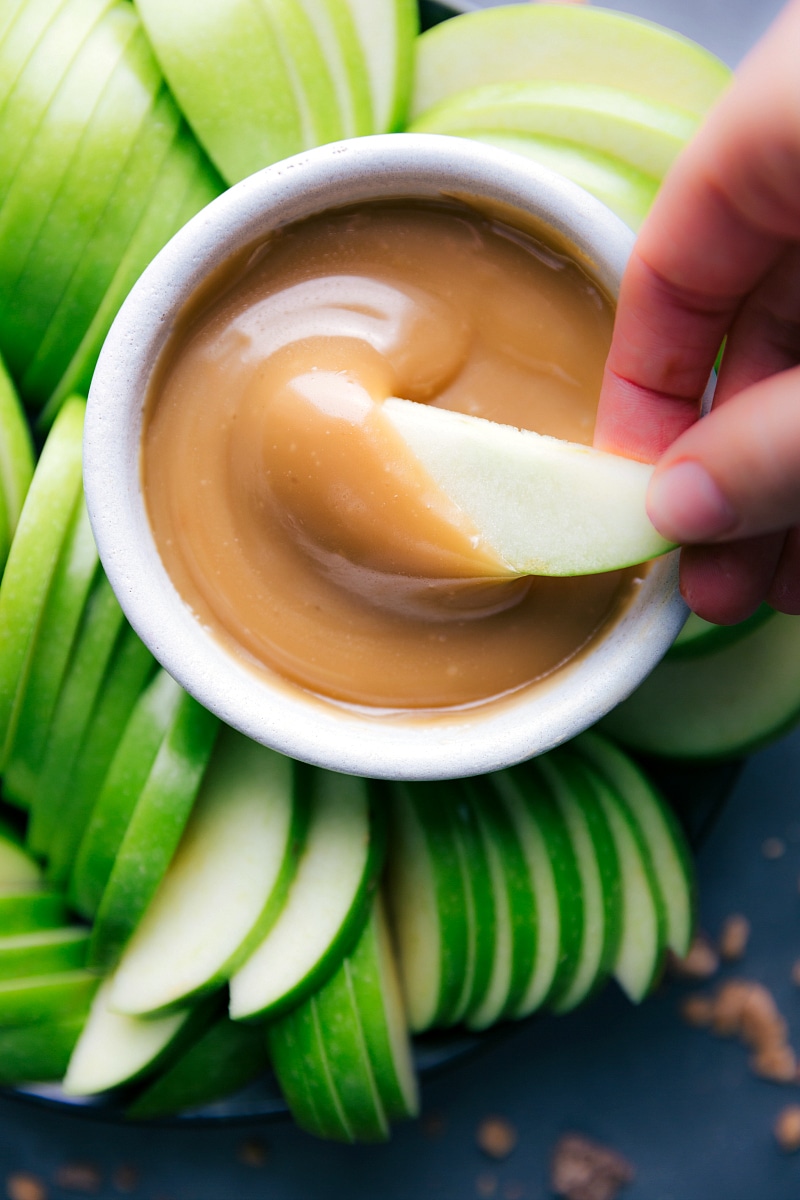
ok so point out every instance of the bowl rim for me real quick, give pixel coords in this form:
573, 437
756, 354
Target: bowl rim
268, 708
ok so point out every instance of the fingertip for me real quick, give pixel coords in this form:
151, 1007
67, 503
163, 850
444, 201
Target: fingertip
686, 504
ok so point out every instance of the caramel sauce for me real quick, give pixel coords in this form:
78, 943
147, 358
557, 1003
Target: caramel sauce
290, 516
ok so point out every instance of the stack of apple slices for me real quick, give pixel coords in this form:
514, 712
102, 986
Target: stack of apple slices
545, 81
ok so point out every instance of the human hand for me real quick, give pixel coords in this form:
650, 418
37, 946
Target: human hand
719, 256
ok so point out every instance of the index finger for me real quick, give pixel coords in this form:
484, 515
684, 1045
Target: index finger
723, 217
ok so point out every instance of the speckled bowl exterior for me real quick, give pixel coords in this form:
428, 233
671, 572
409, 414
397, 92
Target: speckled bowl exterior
268, 708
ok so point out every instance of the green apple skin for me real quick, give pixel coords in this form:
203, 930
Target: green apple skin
58, 626
153, 830
336, 875
723, 704
155, 712
10, 22
38, 1052
644, 135
480, 903
347, 63
701, 637
387, 30
298, 1060
643, 936
427, 902
226, 885
666, 842
16, 461
73, 165
375, 984
48, 952
185, 184
26, 911
38, 63
54, 492
627, 192
107, 673
234, 71
18, 869
45, 997
557, 42
225, 1058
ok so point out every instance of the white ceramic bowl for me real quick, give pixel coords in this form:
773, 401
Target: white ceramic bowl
270, 709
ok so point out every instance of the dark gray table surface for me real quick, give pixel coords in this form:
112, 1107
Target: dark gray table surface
680, 1104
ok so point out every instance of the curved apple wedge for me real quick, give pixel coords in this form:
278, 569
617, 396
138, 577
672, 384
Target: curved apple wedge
544, 506
327, 904
226, 884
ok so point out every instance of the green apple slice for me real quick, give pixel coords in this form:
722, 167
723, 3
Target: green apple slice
589, 45
62, 192
16, 461
226, 884
43, 524
113, 1049
45, 952
700, 637
152, 828
347, 1058
388, 33
58, 625
515, 912
249, 77
9, 15
186, 183
339, 864
298, 1060
45, 997
727, 702
39, 1052
643, 934
147, 731
224, 1059
544, 506
627, 192
38, 71
52, 830
332, 21
17, 868
376, 989
427, 903
23, 910
643, 134
554, 879
666, 842
598, 869
479, 898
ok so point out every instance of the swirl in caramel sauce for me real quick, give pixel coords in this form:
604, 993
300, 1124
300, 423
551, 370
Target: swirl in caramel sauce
291, 517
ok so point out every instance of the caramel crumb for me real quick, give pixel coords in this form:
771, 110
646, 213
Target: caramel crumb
787, 1128
778, 1064
496, 1137
796, 973
734, 938
252, 1152
773, 847
747, 1010
125, 1178
22, 1186
701, 962
581, 1169
79, 1177
486, 1184
698, 1011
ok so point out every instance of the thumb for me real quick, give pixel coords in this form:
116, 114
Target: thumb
736, 472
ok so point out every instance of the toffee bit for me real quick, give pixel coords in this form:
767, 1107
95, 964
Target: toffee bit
796, 973
773, 847
787, 1128
22, 1186
581, 1169
777, 1063
496, 1137
698, 1010
701, 962
79, 1177
734, 938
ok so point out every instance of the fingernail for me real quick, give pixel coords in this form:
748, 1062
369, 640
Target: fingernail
686, 505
